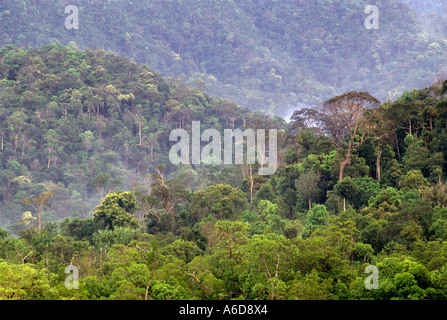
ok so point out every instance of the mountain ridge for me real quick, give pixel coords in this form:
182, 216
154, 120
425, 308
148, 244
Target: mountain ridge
269, 56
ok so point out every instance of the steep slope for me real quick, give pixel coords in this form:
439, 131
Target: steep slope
82, 123
432, 16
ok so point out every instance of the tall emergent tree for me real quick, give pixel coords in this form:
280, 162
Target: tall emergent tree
307, 186
116, 211
317, 217
382, 130
346, 118
38, 204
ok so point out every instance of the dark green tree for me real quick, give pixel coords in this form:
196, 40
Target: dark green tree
116, 211
317, 218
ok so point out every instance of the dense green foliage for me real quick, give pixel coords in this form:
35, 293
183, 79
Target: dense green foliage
79, 126
264, 55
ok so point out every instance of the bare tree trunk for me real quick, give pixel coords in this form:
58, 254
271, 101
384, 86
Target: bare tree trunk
379, 157
49, 157
251, 184
344, 164
397, 147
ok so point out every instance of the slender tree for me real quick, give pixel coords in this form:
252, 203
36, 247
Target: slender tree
382, 130
38, 204
307, 186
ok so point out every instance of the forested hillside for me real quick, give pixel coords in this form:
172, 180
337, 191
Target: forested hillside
432, 16
80, 124
272, 56
360, 182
